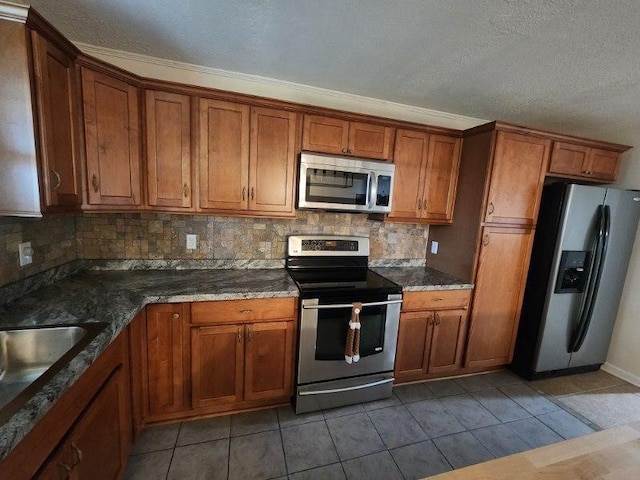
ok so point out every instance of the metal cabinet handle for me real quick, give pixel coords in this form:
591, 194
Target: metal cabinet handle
344, 150
239, 334
244, 191
246, 311
94, 183
252, 193
424, 205
175, 316
437, 318
431, 319
185, 190
485, 240
249, 333
77, 453
490, 208
419, 204
67, 470
58, 180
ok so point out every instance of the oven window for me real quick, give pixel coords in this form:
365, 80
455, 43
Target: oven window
332, 332
335, 186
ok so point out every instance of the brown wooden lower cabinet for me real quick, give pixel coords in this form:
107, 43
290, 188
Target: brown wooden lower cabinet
431, 342
87, 433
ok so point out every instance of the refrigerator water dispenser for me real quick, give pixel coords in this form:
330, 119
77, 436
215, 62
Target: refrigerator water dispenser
572, 272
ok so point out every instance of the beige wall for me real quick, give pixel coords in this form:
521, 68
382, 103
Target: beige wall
624, 351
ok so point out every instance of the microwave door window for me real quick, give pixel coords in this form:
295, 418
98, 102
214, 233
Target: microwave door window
332, 332
334, 186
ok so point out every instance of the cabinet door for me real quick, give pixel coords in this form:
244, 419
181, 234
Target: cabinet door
99, 441
519, 166
500, 280
269, 357
370, 141
112, 131
57, 112
447, 342
217, 365
410, 157
272, 160
604, 164
569, 159
325, 134
414, 334
167, 358
223, 155
441, 179
168, 149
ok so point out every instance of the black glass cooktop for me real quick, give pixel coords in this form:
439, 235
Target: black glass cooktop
338, 281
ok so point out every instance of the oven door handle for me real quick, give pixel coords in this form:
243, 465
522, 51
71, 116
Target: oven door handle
347, 389
349, 305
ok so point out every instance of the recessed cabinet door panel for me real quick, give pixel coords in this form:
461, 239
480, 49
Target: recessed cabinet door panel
447, 342
272, 160
56, 91
325, 134
410, 157
414, 336
269, 356
112, 140
168, 149
217, 365
441, 178
500, 282
569, 159
519, 166
370, 141
223, 155
604, 164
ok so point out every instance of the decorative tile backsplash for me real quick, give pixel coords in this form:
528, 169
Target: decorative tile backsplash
163, 236
53, 239
59, 239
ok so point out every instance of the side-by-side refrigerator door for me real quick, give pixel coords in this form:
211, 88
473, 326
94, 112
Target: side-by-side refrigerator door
568, 279
623, 212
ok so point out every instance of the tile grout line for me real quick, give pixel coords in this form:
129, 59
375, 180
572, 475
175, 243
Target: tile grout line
284, 455
383, 442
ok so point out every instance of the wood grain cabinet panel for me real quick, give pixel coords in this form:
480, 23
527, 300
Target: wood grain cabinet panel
580, 161
425, 178
168, 149
517, 175
112, 137
432, 333
167, 358
500, 281
337, 136
58, 119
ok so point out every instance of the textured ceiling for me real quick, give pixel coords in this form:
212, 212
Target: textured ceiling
566, 65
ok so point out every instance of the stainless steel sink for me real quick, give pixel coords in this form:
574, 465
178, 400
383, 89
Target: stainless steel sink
29, 357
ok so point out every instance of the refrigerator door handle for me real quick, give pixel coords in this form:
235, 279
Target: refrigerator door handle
595, 275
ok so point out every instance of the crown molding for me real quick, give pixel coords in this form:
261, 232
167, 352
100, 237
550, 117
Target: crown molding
13, 12
169, 70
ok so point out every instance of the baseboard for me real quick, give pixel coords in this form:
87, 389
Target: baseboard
621, 373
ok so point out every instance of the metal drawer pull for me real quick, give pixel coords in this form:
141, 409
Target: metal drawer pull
175, 316
246, 311
491, 208
58, 180
349, 305
94, 182
348, 389
485, 240
185, 190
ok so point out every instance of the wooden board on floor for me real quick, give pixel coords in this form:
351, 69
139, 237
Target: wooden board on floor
609, 454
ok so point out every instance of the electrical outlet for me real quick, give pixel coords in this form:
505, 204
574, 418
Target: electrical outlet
192, 241
26, 253
434, 247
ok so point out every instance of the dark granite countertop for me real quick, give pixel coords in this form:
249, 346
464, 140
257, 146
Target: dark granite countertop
115, 297
416, 279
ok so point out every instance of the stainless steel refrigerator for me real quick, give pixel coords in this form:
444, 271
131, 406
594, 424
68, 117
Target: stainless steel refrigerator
579, 261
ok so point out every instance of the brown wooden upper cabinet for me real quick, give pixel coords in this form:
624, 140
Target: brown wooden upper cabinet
585, 162
246, 158
517, 175
168, 150
58, 119
342, 137
426, 177
112, 136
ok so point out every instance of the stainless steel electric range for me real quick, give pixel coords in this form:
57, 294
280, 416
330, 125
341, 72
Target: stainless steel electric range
332, 274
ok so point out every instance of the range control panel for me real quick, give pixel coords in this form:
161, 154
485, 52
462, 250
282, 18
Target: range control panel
327, 245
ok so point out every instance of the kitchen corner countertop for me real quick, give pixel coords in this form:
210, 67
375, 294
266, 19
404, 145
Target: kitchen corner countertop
416, 279
115, 297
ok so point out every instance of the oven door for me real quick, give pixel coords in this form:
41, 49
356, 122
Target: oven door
323, 334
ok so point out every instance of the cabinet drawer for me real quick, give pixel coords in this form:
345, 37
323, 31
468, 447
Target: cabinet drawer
436, 300
238, 311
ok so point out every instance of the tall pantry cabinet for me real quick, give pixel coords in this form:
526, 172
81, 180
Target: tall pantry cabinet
501, 176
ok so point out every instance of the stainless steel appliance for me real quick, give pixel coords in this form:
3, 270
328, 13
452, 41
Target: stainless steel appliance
580, 256
349, 184
331, 273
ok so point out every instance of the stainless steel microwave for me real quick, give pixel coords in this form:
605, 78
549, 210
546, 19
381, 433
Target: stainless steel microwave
330, 182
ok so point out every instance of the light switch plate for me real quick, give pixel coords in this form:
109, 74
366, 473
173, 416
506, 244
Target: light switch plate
192, 242
434, 247
26, 253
